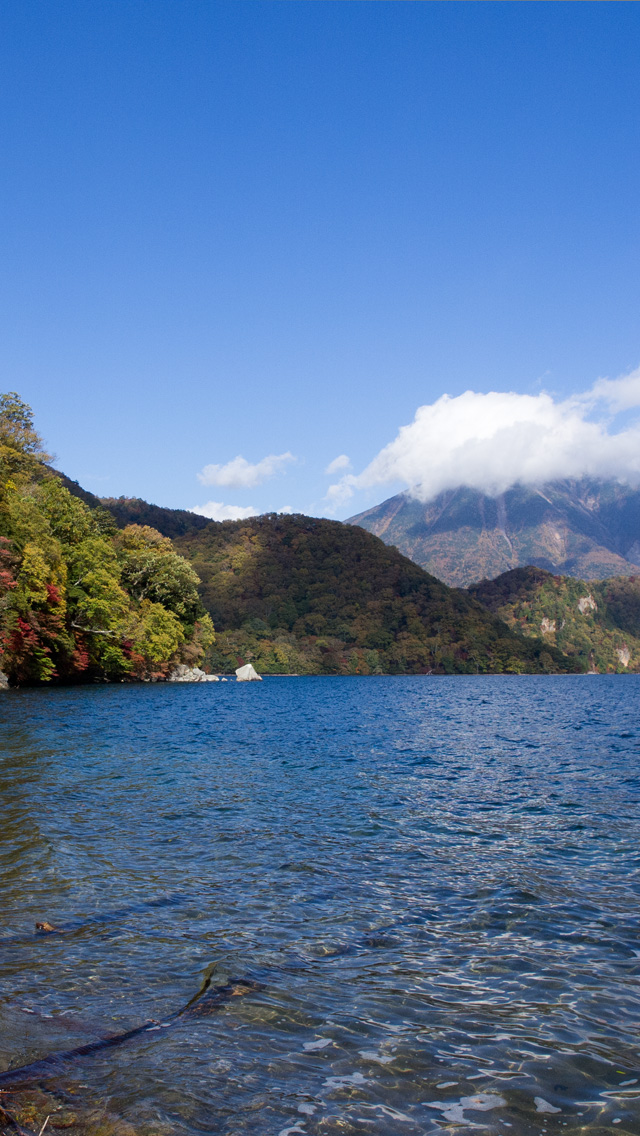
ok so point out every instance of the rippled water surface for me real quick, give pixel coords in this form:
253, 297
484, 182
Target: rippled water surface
433, 883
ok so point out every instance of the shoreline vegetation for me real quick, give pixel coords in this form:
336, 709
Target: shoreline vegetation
92, 591
81, 599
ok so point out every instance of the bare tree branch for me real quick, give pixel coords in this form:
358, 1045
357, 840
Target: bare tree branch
92, 630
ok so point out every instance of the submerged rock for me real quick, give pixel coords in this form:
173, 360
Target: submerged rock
182, 673
247, 673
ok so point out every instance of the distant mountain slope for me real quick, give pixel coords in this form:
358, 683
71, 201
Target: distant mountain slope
170, 522
316, 596
76, 490
134, 511
587, 529
596, 624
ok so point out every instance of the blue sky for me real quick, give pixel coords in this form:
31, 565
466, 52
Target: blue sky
272, 228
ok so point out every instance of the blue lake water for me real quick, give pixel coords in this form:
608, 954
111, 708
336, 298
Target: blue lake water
433, 882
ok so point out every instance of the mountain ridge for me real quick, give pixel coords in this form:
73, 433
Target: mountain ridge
318, 596
585, 528
306, 594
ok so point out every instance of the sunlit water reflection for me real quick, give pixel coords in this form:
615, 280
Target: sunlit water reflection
434, 881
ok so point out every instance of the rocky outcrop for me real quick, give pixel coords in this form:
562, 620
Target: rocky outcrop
4, 681
248, 673
182, 673
624, 654
587, 603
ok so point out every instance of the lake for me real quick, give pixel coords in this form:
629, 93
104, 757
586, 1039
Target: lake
416, 901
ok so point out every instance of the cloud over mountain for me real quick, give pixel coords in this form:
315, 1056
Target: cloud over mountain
241, 474
216, 511
492, 441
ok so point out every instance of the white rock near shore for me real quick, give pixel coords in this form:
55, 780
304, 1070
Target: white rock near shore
182, 673
4, 681
247, 673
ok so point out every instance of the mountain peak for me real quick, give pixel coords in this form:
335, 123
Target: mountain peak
584, 528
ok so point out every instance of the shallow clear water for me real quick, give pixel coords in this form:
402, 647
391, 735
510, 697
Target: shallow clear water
435, 882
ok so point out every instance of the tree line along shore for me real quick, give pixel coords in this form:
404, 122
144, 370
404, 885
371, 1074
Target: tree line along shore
91, 590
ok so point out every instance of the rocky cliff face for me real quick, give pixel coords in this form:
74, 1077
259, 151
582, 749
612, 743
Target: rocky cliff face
586, 529
597, 625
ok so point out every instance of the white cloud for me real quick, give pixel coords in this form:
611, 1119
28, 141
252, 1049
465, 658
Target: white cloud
618, 394
241, 474
287, 509
341, 491
492, 441
341, 462
216, 511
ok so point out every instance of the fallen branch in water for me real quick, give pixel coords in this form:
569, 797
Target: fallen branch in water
206, 999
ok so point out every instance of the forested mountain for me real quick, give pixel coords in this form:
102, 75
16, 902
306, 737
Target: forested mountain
79, 598
296, 593
596, 624
318, 597
91, 590
587, 529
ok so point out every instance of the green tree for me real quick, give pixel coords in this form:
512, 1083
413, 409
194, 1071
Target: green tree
21, 447
152, 570
156, 633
